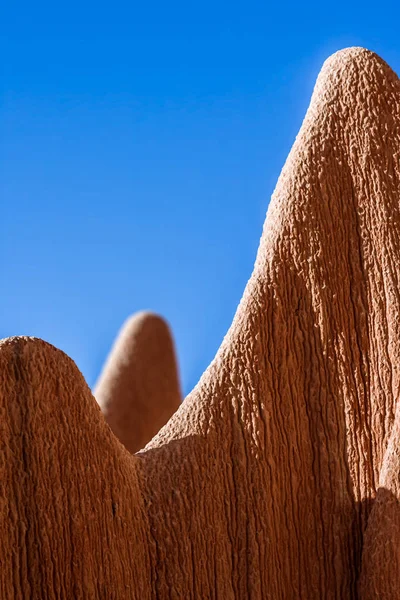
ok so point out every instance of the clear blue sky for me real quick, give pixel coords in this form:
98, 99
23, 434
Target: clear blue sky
140, 144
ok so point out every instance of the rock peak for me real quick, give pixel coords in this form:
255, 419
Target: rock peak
354, 75
138, 389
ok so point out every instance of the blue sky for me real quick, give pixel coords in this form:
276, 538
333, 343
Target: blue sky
140, 144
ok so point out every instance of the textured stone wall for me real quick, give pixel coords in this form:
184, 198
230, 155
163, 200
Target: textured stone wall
278, 477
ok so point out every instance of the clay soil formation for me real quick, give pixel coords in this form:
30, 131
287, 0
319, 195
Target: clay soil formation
278, 476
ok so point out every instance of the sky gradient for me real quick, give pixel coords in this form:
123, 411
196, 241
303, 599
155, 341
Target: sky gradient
140, 145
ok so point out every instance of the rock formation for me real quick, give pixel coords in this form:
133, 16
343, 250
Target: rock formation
72, 518
138, 390
261, 484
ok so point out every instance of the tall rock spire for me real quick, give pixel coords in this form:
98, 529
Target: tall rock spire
284, 436
138, 389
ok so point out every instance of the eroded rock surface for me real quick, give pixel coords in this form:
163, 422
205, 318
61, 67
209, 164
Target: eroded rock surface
288, 427
72, 518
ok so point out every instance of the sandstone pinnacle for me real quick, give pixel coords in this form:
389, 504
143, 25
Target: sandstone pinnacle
138, 389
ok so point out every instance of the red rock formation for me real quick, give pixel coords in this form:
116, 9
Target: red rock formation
261, 483
138, 389
288, 426
72, 517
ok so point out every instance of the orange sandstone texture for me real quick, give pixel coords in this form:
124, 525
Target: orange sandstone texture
72, 516
260, 485
138, 390
274, 459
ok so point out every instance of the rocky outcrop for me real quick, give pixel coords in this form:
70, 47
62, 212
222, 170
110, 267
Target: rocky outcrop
288, 427
138, 389
261, 484
72, 517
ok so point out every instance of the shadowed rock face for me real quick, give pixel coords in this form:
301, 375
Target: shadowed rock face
260, 485
138, 390
380, 574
